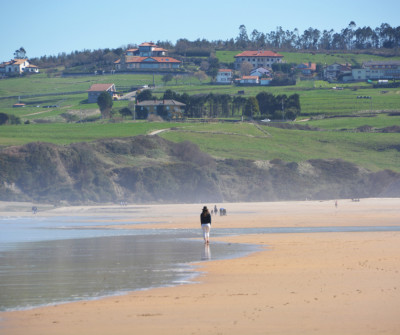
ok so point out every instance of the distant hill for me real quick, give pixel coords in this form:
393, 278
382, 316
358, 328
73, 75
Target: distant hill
147, 169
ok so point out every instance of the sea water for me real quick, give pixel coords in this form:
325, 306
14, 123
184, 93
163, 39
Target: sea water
54, 260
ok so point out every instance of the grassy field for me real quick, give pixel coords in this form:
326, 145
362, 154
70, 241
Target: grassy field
319, 102
370, 150
374, 151
60, 133
316, 97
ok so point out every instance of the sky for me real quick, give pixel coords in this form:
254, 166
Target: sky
48, 27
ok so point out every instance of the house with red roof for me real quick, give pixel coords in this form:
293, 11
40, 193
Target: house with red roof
259, 58
96, 89
148, 56
307, 69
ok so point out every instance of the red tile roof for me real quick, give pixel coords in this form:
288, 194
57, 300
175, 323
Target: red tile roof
258, 53
224, 70
250, 77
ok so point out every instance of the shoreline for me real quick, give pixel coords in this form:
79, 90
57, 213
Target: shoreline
323, 283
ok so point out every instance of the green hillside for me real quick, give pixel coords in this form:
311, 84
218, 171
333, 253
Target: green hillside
356, 60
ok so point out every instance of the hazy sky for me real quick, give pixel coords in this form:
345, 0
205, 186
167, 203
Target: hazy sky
49, 27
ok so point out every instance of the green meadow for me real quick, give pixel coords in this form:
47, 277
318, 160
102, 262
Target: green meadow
337, 112
305, 57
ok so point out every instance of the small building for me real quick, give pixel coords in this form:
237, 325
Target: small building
224, 76
96, 89
307, 69
265, 81
249, 80
336, 70
259, 58
261, 72
167, 109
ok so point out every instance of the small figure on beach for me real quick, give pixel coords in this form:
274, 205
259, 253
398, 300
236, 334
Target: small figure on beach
336, 204
205, 220
34, 209
215, 209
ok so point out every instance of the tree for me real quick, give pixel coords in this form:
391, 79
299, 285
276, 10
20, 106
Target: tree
144, 95
105, 102
243, 39
125, 112
166, 78
213, 67
266, 103
200, 75
251, 107
245, 68
3, 118
20, 53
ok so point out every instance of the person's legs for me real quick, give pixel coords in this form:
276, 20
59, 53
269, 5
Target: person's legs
206, 232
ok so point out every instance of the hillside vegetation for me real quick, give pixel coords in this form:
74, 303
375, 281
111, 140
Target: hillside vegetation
151, 169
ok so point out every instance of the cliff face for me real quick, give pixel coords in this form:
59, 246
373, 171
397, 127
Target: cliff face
150, 169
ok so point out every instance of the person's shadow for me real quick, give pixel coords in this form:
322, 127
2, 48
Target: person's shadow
206, 253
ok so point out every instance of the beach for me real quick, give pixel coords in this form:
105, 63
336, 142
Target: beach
304, 282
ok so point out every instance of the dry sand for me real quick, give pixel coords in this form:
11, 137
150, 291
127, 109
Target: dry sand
305, 283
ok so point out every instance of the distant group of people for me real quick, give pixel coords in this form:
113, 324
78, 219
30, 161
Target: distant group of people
205, 221
222, 211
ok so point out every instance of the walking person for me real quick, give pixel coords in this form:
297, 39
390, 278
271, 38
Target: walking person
205, 220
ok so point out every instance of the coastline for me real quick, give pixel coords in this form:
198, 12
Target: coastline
324, 283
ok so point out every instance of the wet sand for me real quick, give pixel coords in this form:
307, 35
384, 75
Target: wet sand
303, 283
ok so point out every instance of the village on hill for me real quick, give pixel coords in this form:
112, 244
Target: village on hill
250, 67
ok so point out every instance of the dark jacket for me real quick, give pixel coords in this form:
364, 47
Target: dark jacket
205, 218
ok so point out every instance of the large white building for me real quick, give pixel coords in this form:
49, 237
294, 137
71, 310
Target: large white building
260, 58
375, 70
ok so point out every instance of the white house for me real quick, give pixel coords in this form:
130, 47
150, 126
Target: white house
18, 66
259, 58
224, 76
375, 70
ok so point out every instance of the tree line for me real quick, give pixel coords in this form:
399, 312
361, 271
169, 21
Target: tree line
263, 105
349, 38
